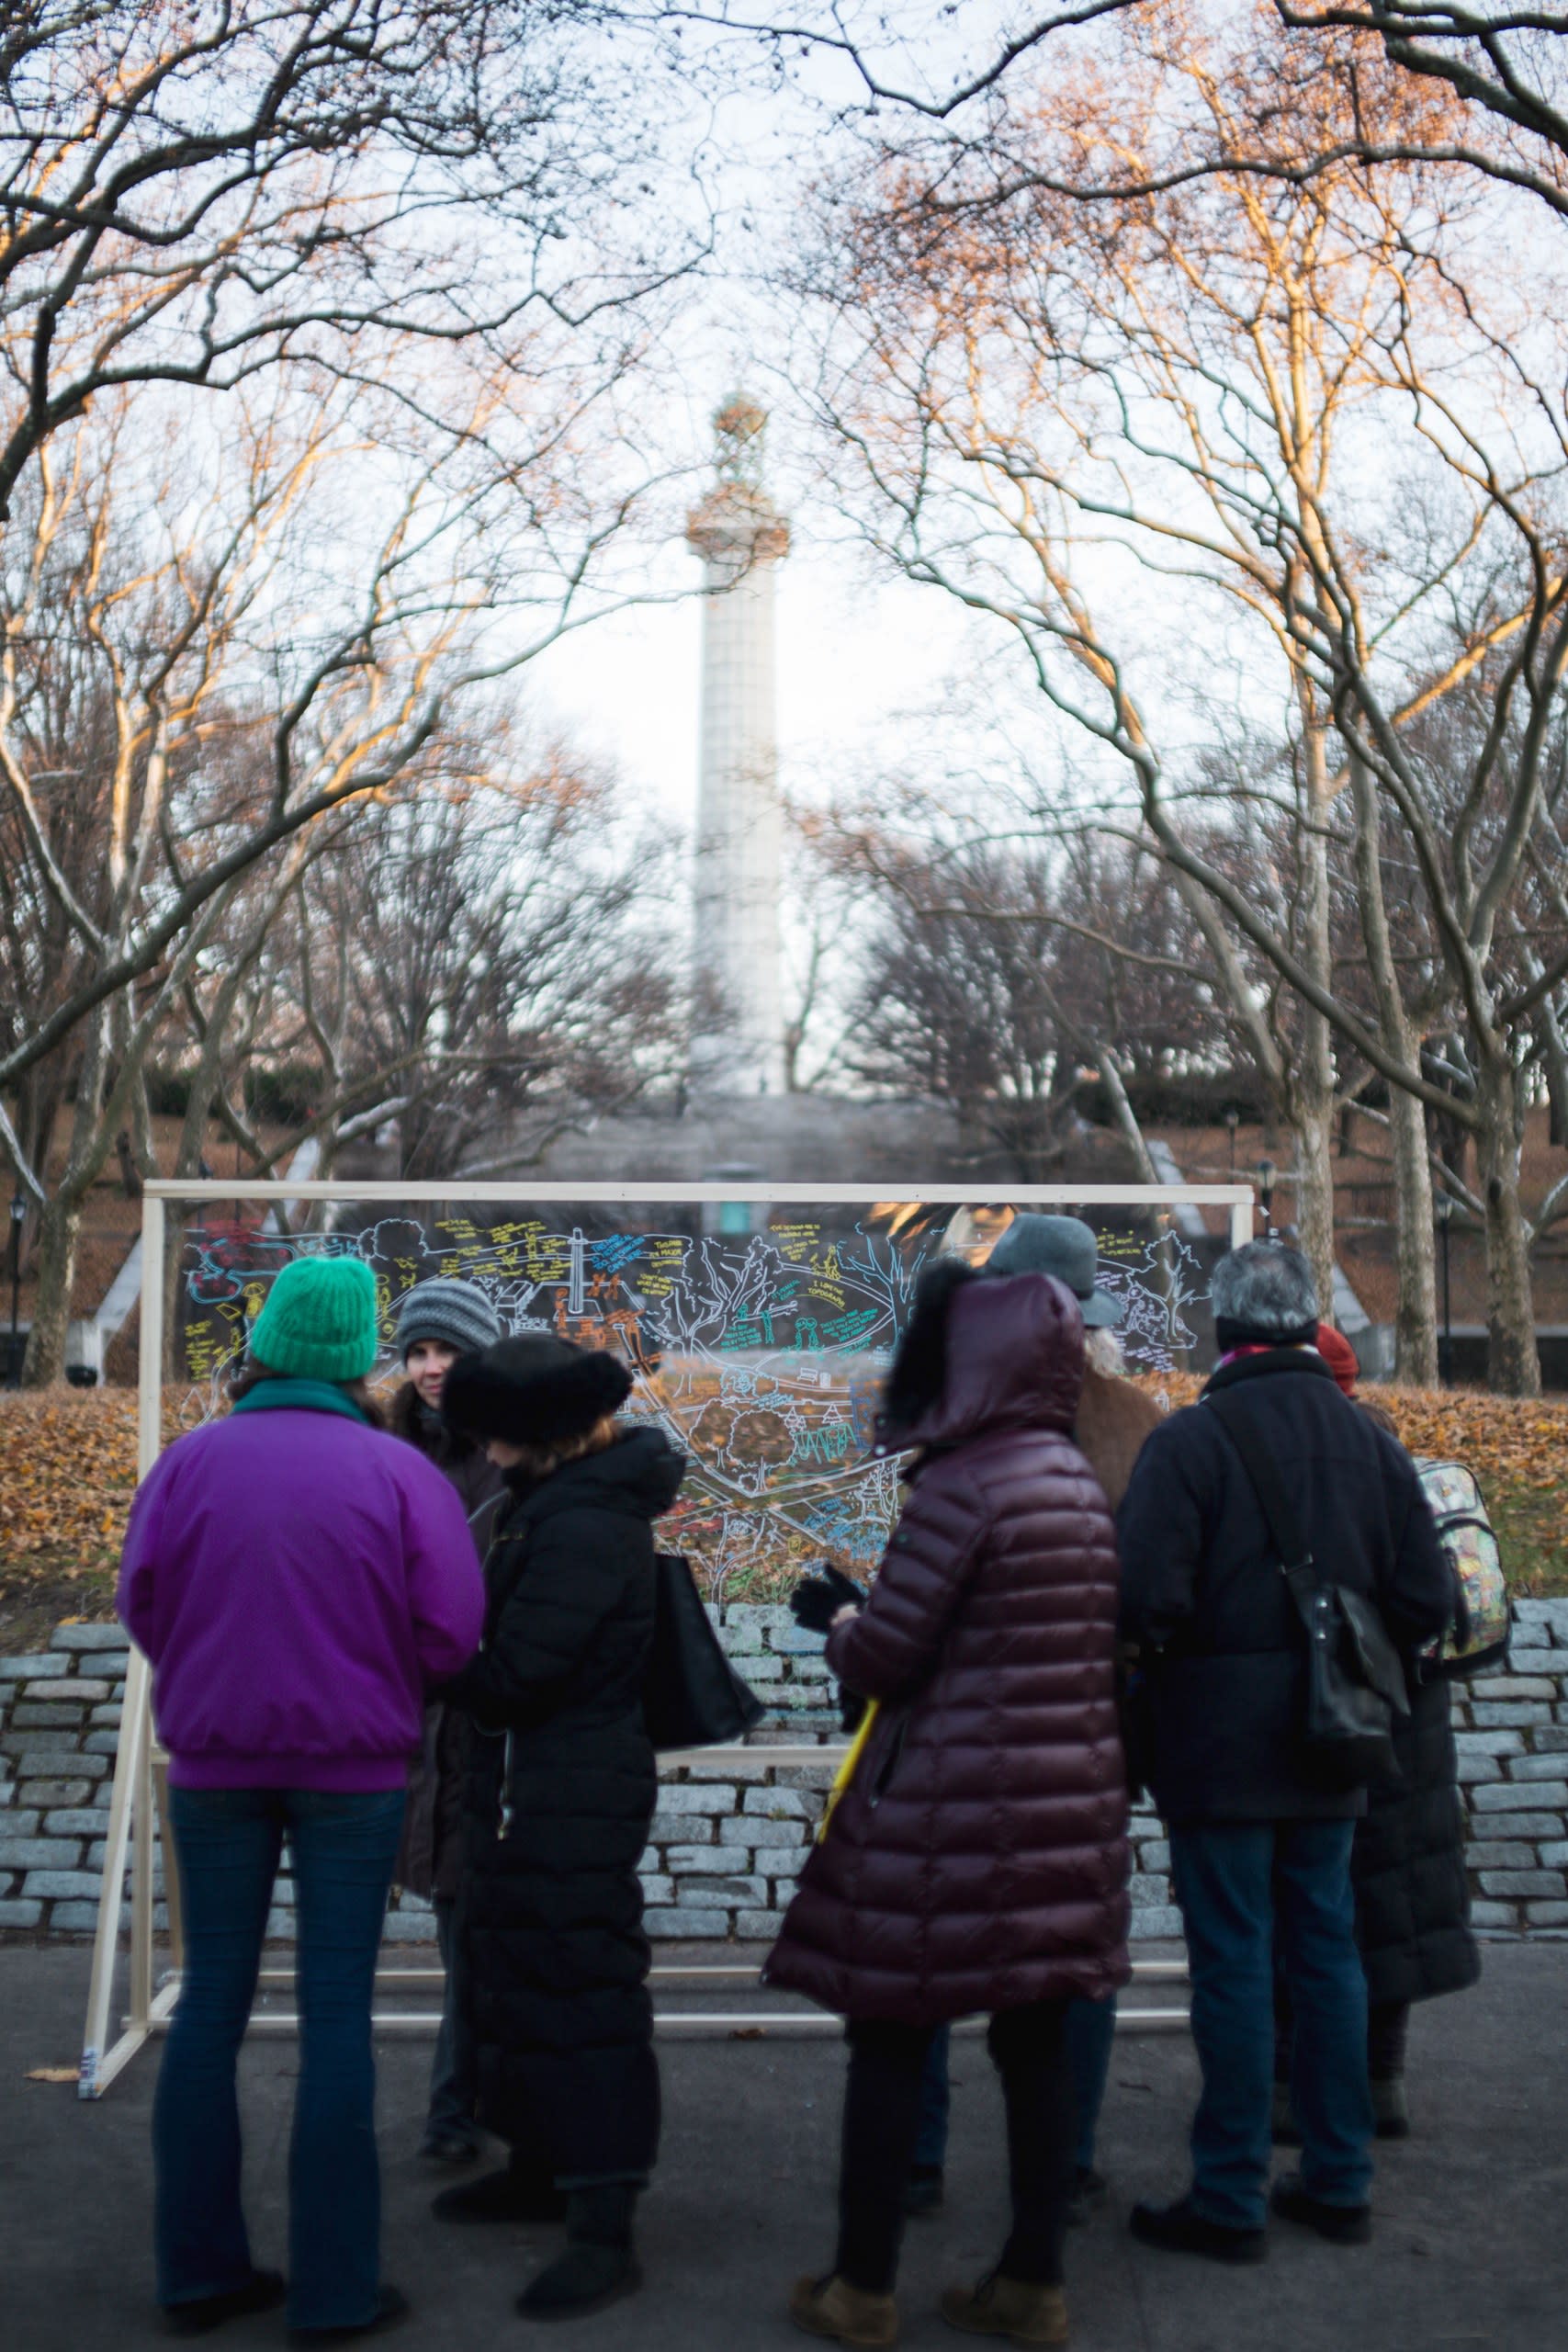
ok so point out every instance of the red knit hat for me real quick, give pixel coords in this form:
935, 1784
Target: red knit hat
1338, 1355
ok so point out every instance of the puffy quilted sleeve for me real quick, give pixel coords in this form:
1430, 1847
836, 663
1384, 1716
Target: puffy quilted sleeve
891, 1646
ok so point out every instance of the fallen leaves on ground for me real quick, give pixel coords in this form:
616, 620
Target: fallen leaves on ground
54, 2074
68, 1472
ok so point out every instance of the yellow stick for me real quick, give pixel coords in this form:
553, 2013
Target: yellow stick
846, 1770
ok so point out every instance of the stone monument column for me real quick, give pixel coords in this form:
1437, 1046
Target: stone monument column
741, 536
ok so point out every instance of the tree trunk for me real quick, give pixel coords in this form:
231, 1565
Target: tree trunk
1554, 1063
59, 1226
1126, 1118
59, 1233
1312, 1083
1415, 1305
1513, 1360
1311, 1115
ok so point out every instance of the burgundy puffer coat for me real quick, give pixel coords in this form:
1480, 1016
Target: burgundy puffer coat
978, 1860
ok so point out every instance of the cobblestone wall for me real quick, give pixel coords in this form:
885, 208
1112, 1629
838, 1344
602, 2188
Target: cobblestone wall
725, 1850
1512, 1734
60, 1714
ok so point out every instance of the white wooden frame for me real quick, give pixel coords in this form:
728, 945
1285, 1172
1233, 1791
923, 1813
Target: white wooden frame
140, 1779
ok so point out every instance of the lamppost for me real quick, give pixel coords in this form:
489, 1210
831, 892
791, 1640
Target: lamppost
18, 1212
1443, 1209
1266, 1196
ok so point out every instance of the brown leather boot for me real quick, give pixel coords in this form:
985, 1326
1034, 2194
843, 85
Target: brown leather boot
832, 2307
1016, 2308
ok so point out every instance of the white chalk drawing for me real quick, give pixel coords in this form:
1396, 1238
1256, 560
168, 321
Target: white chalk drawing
761, 1354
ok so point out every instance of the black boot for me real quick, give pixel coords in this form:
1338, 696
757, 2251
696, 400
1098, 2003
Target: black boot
522, 2192
599, 2265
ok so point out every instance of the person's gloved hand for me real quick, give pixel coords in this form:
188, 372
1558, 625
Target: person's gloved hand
819, 1597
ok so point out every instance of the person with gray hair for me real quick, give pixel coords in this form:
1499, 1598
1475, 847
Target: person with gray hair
1261, 1836
1264, 1294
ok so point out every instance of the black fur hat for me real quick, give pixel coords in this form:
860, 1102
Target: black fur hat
533, 1390
919, 1364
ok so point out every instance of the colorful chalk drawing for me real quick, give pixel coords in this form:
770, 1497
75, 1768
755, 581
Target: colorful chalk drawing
761, 1355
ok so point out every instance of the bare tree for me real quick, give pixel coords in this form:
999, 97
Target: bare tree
195, 190
474, 974
1003, 980
1483, 86
1504, 62
1045, 403
268, 631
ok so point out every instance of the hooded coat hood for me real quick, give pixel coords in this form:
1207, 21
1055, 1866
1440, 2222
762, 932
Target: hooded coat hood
981, 1356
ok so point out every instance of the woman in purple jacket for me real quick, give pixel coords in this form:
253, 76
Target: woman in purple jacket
297, 1578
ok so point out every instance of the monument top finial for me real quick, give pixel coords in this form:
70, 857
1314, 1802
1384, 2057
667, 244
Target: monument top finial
740, 430
737, 526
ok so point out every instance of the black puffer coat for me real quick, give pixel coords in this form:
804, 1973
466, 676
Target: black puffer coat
1412, 1898
429, 1855
558, 1801
979, 1859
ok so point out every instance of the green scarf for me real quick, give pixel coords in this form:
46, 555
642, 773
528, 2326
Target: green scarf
299, 1396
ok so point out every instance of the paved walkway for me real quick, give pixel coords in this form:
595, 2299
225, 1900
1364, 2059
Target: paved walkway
1472, 2248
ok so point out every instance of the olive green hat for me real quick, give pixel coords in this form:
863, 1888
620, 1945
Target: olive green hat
319, 1322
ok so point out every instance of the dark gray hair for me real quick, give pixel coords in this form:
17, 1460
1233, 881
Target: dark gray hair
1266, 1288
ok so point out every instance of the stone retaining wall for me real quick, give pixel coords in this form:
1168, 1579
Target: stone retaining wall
1512, 1734
725, 1849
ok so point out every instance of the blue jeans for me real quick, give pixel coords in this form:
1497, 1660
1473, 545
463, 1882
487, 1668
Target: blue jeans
228, 1842
1229, 1877
1090, 2030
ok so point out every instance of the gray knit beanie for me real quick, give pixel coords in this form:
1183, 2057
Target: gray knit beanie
459, 1313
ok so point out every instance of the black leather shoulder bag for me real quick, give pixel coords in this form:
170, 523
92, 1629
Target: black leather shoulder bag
693, 1697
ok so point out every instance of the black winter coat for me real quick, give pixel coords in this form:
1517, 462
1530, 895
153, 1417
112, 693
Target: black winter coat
1407, 1866
1204, 1598
557, 1799
429, 1856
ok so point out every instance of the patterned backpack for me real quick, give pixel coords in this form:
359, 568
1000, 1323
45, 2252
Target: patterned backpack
1477, 1640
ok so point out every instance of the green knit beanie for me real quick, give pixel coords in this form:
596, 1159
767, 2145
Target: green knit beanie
319, 1322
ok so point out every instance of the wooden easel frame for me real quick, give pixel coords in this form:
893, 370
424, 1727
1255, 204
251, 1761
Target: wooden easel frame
139, 1779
